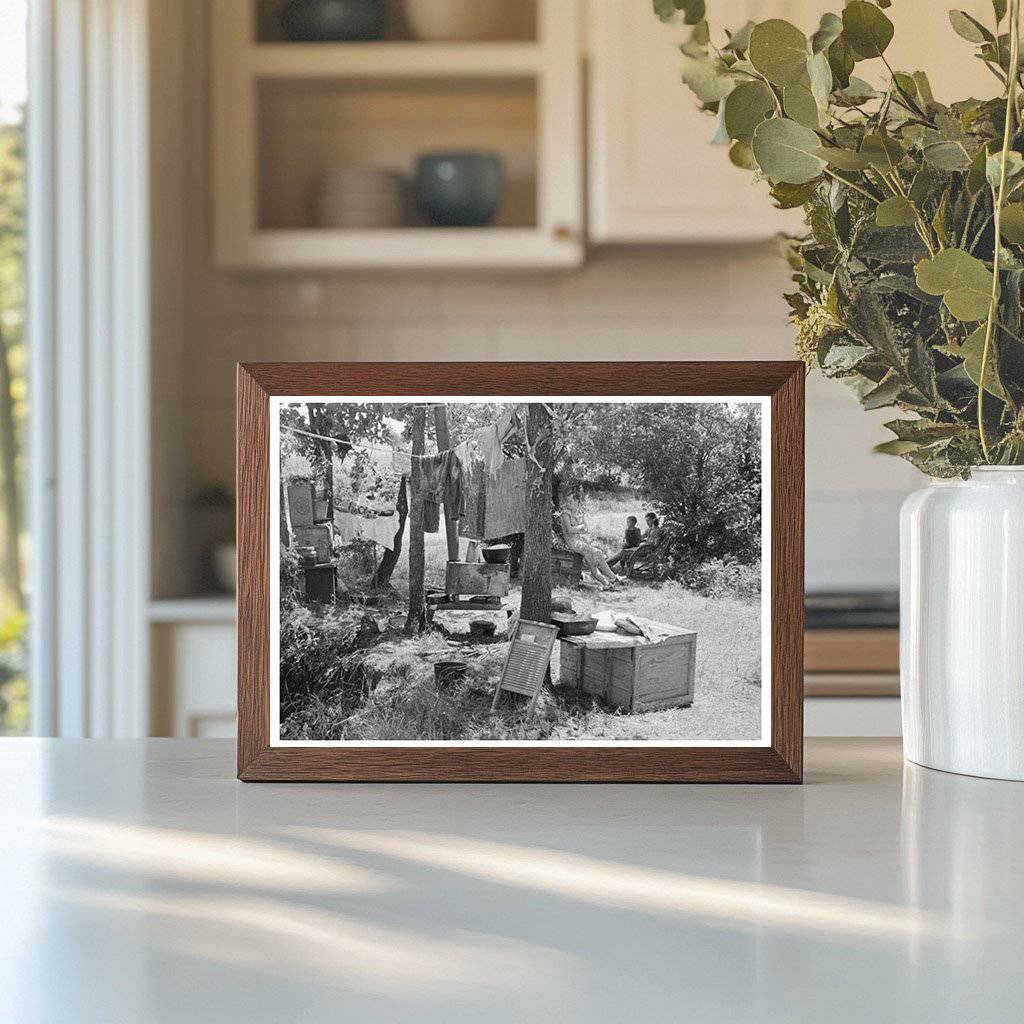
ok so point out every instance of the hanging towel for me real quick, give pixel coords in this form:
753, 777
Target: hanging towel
506, 500
489, 445
380, 530
475, 490
347, 526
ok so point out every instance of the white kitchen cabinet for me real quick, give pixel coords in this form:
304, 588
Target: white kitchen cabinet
193, 667
653, 175
285, 114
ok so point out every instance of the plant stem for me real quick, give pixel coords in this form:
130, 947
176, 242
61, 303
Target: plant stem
1011, 109
853, 185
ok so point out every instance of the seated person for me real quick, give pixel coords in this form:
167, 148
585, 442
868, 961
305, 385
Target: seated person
652, 538
630, 541
576, 538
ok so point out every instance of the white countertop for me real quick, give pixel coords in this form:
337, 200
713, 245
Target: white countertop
140, 882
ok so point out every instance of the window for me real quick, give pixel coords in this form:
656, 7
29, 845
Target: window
14, 694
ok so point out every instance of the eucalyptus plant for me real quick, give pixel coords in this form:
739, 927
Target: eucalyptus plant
910, 278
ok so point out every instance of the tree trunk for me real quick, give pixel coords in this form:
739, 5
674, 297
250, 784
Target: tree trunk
382, 577
11, 490
416, 618
536, 604
318, 425
444, 442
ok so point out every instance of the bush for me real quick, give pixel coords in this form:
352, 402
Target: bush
723, 578
313, 646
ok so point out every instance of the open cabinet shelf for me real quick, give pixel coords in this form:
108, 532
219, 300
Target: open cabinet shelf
287, 114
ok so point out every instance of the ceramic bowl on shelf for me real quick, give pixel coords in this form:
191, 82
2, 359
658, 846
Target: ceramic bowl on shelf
471, 20
460, 189
334, 21
362, 197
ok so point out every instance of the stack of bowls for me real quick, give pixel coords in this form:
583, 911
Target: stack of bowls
362, 197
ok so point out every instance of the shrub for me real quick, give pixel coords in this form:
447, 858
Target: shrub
718, 577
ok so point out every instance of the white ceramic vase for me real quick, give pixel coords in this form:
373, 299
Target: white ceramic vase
962, 624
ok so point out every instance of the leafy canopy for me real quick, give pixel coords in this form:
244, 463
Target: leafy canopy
910, 276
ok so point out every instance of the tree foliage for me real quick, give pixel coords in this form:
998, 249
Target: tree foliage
699, 465
902, 291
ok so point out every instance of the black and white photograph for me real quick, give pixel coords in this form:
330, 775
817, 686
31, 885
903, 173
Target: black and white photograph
520, 571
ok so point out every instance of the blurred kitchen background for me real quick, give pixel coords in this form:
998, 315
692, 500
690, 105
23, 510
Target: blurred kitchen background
291, 218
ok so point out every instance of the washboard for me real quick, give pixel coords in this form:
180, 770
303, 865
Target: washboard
529, 655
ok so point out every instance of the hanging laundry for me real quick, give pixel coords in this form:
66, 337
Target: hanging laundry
489, 445
380, 530
430, 473
377, 529
506, 500
346, 526
452, 483
475, 490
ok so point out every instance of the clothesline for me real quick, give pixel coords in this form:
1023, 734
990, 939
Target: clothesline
368, 447
358, 444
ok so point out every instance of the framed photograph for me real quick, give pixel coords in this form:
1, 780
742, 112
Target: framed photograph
518, 572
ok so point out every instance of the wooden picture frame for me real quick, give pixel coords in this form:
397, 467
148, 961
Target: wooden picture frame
778, 759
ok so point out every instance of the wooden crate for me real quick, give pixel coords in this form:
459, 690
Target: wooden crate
631, 672
476, 578
568, 565
320, 537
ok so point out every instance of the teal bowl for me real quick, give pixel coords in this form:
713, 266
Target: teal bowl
334, 21
460, 190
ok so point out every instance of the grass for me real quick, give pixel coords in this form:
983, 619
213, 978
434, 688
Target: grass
386, 691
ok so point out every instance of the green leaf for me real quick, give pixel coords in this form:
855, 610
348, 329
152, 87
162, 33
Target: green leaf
896, 447
858, 91
885, 394
922, 185
1012, 223
923, 431
690, 12
844, 159
741, 155
883, 152
866, 29
801, 106
819, 74
707, 78
971, 351
969, 28
924, 87
895, 212
840, 60
999, 9
976, 173
829, 30
779, 51
963, 281
701, 34
787, 151
739, 41
788, 197
745, 108
993, 167
947, 156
